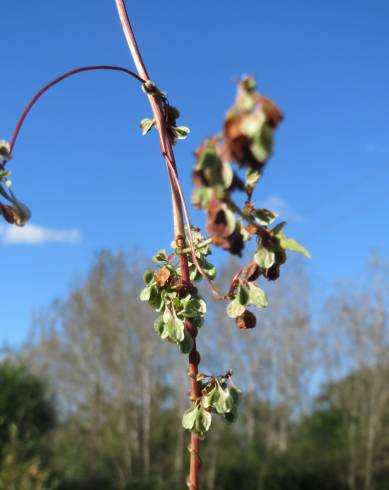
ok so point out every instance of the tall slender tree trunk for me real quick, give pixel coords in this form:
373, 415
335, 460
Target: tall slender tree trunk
146, 405
351, 436
370, 443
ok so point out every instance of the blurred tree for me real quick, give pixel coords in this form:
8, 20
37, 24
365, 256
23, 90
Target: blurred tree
25, 405
104, 363
118, 408
19, 471
26, 417
276, 365
357, 342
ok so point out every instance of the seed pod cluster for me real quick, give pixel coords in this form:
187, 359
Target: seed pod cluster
14, 212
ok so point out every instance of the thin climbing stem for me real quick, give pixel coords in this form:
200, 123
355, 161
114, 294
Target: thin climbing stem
179, 229
165, 145
59, 79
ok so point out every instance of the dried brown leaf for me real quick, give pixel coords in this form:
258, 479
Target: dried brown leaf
162, 277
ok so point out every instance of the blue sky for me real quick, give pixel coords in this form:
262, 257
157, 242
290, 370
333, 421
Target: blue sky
92, 181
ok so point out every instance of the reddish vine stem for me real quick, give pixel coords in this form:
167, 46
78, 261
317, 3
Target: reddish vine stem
179, 229
39, 94
165, 145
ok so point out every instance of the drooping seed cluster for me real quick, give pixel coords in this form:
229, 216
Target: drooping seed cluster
245, 143
230, 162
13, 211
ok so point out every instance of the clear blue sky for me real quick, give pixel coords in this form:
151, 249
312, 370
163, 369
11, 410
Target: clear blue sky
83, 167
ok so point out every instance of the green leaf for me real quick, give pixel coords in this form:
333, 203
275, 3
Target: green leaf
218, 174
209, 159
148, 276
160, 256
197, 321
242, 294
210, 399
292, 245
228, 405
156, 299
194, 274
262, 144
257, 296
235, 393
186, 345
214, 177
189, 418
197, 420
159, 326
235, 309
167, 315
225, 403
208, 268
146, 125
194, 307
201, 196
264, 258
245, 101
252, 177
202, 422
253, 124
145, 294
176, 329
181, 132
227, 174
278, 228
231, 221
264, 216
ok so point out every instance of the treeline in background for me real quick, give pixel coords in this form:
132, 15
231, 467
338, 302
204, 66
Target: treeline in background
94, 399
